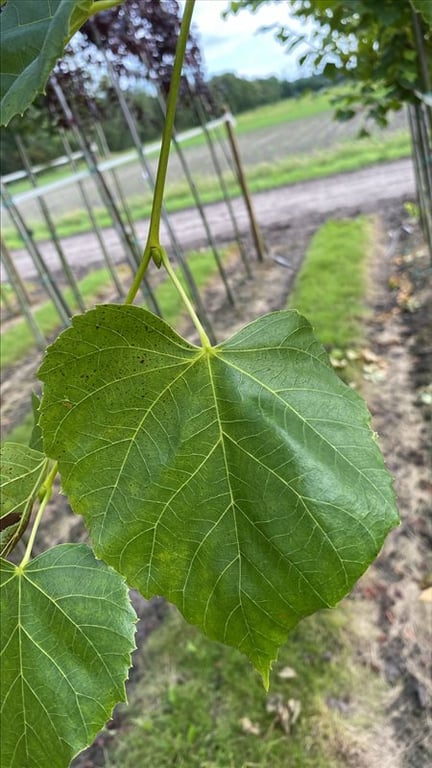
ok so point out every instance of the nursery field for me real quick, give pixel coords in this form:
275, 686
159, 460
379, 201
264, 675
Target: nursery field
284, 143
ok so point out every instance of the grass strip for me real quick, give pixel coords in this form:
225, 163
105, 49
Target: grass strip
196, 703
348, 156
331, 285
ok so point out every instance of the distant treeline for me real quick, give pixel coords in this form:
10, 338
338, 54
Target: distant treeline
241, 94
238, 94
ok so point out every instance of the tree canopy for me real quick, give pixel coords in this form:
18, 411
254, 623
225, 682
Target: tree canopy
374, 45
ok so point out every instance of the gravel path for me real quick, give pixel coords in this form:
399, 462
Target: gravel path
362, 191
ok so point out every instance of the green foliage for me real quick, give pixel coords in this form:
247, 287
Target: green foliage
22, 472
424, 7
33, 38
66, 635
36, 439
373, 45
38, 133
260, 417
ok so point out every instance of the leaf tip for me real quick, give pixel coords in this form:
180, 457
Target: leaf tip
263, 667
265, 677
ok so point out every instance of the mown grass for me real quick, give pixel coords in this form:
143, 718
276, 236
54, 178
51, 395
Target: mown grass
284, 111
348, 156
330, 287
187, 706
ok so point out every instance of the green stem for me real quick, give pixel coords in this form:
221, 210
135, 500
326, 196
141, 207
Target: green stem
153, 248
205, 341
47, 486
103, 5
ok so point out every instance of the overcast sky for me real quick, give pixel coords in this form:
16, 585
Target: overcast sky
235, 45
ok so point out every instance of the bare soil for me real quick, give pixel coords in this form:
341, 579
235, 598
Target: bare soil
395, 617
393, 629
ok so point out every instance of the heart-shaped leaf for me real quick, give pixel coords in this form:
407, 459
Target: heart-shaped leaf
243, 482
22, 472
67, 633
33, 36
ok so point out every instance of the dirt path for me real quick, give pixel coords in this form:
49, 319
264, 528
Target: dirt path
364, 191
394, 619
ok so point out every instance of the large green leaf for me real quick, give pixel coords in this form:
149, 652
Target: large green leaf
22, 472
243, 483
66, 637
33, 36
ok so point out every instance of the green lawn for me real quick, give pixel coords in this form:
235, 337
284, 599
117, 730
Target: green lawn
331, 285
199, 704
285, 111
18, 340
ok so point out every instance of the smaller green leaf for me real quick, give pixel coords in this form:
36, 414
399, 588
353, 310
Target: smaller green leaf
67, 633
22, 473
33, 38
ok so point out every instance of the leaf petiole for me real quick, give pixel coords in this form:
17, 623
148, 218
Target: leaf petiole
205, 341
47, 493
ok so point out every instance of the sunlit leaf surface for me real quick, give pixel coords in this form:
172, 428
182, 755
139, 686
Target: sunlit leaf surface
243, 483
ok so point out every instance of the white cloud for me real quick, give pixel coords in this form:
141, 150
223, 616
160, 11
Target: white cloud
235, 45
